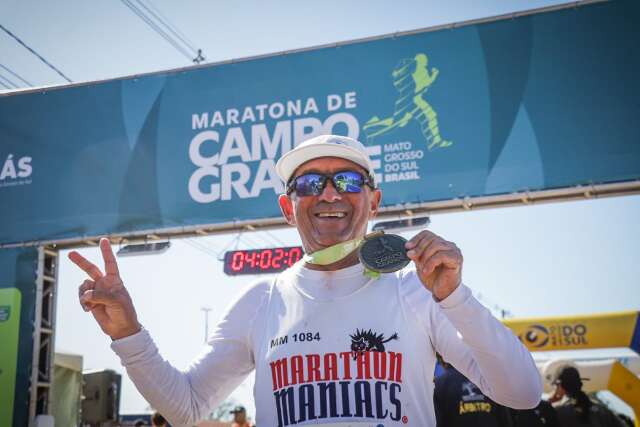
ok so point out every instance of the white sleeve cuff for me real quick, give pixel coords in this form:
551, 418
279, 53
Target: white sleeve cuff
133, 345
459, 296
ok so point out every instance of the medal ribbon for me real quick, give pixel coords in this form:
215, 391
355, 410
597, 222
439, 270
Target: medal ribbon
333, 253
337, 253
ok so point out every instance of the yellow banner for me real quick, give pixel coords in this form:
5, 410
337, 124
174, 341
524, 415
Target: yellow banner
576, 332
624, 384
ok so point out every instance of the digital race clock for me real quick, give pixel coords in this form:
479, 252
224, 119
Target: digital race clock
258, 261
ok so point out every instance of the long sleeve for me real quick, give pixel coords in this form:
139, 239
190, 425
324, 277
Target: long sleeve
467, 335
184, 397
485, 351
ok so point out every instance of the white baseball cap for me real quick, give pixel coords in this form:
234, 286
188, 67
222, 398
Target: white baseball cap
324, 146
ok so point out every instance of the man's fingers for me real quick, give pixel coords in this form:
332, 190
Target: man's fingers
435, 247
86, 286
449, 259
100, 315
90, 268
95, 296
419, 244
110, 264
418, 238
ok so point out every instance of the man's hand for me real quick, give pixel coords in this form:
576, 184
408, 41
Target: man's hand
438, 263
105, 295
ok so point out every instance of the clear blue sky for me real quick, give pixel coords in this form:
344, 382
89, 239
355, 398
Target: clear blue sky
560, 259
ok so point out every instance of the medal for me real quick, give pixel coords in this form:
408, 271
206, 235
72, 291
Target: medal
383, 253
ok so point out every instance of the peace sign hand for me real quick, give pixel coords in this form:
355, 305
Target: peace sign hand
105, 295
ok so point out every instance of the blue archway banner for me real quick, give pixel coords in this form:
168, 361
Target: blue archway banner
543, 101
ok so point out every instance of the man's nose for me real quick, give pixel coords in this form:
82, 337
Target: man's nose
330, 194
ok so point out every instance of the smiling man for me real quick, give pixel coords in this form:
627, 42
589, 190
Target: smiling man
332, 343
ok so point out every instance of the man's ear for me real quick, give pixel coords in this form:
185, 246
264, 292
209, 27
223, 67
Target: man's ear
286, 206
374, 203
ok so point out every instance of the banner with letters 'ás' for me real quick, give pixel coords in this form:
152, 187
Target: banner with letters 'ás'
543, 101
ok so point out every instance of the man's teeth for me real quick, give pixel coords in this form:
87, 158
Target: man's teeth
332, 215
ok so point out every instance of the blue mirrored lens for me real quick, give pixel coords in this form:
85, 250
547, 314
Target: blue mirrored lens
348, 182
309, 185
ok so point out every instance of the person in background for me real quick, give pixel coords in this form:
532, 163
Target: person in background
158, 420
240, 417
573, 405
543, 415
459, 402
626, 420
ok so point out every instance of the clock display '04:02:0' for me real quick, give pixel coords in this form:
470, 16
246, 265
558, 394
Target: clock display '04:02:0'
261, 261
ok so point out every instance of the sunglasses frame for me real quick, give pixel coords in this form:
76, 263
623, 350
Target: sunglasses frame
366, 180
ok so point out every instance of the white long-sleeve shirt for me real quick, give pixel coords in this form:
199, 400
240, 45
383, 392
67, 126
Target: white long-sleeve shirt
338, 349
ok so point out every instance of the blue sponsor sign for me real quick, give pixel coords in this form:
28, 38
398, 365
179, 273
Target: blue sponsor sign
538, 102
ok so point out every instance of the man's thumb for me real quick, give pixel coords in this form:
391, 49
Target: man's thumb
95, 296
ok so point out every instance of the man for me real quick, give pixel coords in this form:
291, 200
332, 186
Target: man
331, 343
459, 402
240, 417
574, 407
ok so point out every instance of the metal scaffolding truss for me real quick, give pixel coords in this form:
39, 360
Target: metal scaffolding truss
40, 391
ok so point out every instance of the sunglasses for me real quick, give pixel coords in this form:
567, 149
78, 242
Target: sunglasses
313, 184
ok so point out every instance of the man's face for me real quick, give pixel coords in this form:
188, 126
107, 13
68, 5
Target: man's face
239, 417
331, 217
559, 391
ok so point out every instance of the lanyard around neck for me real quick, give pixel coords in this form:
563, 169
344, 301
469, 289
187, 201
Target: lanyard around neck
338, 252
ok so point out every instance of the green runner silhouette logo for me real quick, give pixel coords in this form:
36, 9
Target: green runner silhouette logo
412, 79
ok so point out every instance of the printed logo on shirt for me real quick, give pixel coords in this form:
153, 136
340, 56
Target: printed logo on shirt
470, 392
363, 341
473, 407
472, 400
310, 387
